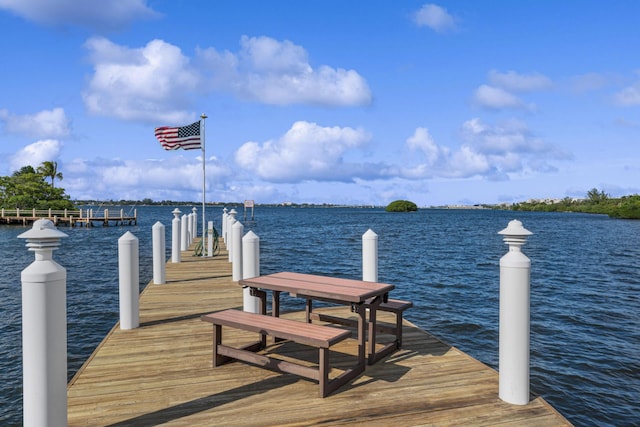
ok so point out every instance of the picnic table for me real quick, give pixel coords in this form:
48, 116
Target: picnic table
359, 294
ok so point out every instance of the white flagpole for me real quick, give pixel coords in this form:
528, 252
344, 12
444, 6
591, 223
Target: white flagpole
203, 116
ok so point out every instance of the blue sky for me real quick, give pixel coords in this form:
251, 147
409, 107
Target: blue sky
454, 102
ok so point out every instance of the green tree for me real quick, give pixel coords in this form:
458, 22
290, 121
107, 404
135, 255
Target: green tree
49, 169
401, 206
596, 196
27, 189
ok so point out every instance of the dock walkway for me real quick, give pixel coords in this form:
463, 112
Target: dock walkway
161, 373
67, 217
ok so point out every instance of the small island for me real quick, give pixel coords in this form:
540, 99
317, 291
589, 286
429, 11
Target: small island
401, 206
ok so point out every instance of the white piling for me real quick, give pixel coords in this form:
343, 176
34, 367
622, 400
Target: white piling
189, 229
515, 269
250, 268
210, 239
44, 330
231, 219
370, 256
128, 268
175, 236
159, 250
223, 229
236, 235
194, 225
184, 233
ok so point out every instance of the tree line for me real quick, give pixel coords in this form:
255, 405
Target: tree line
597, 202
28, 188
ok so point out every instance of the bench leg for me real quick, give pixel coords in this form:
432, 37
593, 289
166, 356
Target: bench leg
399, 329
217, 340
323, 367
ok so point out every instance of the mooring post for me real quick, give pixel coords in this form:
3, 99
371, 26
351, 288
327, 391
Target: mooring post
175, 236
250, 268
194, 225
184, 233
515, 269
44, 330
210, 239
189, 229
236, 235
159, 250
223, 230
231, 219
370, 256
128, 269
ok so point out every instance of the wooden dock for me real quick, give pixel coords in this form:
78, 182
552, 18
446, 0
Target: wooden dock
161, 373
68, 217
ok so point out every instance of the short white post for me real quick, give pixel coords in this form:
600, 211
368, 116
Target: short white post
159, 249
224, 225
184, 233
210, 239
194, 226
370, 256
189, 229
515, 270
44, 330
128, 269
175, 236
236, 235
250, 268
231, 219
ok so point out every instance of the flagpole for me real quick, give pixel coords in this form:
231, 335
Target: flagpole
203, 116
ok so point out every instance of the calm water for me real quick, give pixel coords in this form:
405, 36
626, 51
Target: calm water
585, 282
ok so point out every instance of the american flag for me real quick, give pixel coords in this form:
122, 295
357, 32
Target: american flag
185, 137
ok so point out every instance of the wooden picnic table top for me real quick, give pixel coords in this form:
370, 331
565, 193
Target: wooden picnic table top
322, 287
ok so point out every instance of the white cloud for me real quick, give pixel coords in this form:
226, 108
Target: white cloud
173, 178
436, 18
36, 153
516, 82
157, 83
108, 15
494, 152
629, 96
499, 94
279, 73
44, 124
497, 98
306, 152
152, 83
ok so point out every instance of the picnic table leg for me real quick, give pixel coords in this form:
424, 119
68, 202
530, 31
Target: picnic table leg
217, 339
275, 303
262, 295
372, 335
362, 333
309, 309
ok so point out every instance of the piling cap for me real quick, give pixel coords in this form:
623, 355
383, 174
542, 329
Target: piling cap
176, 212
232, 212
515, 228
43, 229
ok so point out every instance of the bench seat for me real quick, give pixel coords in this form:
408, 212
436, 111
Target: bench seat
321, 337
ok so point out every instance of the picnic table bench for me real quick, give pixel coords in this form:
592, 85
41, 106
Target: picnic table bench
321, 337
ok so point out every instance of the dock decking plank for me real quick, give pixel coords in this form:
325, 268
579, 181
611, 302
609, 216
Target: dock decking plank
161, 372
